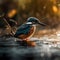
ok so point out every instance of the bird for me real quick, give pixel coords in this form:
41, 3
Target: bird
27, 30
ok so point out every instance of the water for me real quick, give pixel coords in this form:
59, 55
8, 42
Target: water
10, 49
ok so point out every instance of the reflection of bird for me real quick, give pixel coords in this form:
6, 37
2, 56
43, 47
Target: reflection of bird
27, 30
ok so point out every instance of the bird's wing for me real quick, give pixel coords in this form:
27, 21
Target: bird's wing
24, 29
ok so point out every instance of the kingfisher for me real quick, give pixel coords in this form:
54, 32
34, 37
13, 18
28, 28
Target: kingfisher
27, 30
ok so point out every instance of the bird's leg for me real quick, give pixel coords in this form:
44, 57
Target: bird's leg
30, 43
27, 39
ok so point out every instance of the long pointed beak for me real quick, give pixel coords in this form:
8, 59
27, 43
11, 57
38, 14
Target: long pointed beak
40, 23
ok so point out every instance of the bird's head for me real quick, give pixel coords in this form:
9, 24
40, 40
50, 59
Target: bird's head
34, 21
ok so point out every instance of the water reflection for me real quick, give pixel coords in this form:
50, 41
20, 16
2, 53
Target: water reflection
12, 50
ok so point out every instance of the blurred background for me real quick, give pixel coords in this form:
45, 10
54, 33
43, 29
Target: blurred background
48, 11
13, 13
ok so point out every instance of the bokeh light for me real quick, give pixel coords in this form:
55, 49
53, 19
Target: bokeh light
55, 9
12, 13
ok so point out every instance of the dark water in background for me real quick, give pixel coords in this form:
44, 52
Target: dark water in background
13, 50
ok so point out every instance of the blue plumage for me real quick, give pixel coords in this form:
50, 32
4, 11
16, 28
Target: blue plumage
24, 29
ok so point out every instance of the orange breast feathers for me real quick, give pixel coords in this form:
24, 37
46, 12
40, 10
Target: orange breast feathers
28, 35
